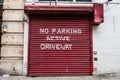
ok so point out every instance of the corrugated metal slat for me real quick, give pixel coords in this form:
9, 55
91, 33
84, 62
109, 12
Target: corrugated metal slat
59, 53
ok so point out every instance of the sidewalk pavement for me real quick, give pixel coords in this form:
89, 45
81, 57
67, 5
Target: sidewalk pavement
108, 76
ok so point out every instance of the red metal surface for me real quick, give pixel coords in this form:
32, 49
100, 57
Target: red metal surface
91, 47
58, 8
98, 14
73, 60
96, 10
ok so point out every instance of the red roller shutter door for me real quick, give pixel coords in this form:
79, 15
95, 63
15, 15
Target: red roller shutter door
60, 46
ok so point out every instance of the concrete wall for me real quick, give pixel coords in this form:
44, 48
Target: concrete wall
12, 41
106, 41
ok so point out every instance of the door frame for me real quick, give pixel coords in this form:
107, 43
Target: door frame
26, 48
